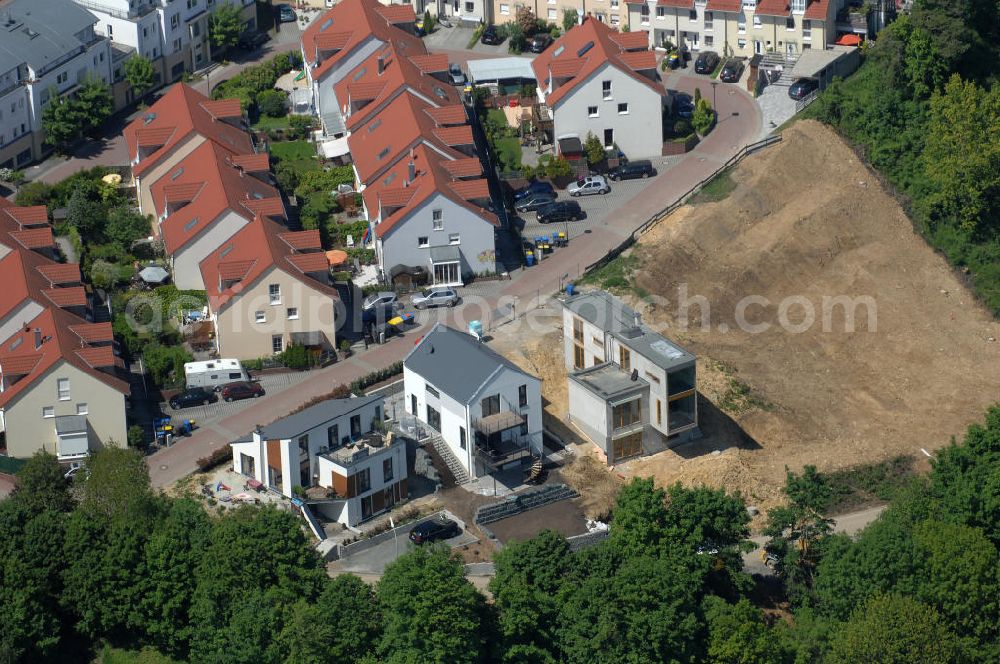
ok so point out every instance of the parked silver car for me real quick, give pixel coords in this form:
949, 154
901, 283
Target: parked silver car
592, 184
382, 298
435, 297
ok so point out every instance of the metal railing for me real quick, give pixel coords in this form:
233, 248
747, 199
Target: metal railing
138, 12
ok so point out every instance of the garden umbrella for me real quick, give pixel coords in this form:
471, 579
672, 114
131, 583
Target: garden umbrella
154, 274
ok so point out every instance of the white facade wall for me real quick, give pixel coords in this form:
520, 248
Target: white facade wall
507, 383
15, 110
185, 262
95, 61
637, 132
453, 415
352, 515
476, 238
143, 33
593, 342
589, 413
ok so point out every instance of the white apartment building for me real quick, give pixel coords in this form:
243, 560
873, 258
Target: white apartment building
46, 47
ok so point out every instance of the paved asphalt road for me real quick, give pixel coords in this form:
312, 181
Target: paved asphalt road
375, 559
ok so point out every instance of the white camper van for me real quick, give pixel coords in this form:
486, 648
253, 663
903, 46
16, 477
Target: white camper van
213, 374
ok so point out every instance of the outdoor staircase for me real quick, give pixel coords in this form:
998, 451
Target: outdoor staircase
455, 467
779, 62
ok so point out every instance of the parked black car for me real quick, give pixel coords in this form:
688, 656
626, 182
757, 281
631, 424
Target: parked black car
195, 396
434, 529
802, 88
252, 40
560, 211
535, 187
706, 62
534, 202
683, 105
632, 170
491, 36
540, 42
732, 71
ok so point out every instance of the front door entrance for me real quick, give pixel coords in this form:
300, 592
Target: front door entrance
790, 48
446, 274
758, 47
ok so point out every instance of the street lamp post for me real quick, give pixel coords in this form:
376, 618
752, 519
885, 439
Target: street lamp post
715, 84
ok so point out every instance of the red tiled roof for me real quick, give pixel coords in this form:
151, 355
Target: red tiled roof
593, 45
397, 13
818, 10
224, 189
34, 238
60, 273
639, 60
306, 263
19, 365
183, 110
453, 136
773, 8
154, 137
93, 332
302, 240
98, 356
396, 197
463, 168
431, 63
257, 247
223, 108
679, 4
73, 296
363, 19
471, 189
364, 91
21, 281
398, 126
638, 40
182, 193
36, 215
253, 163
268, 207
333, 41
724, 5
235, 270
447, 115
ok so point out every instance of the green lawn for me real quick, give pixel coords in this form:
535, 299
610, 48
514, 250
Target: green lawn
497, 117
292, 150
721, 186
144, 656
266, 123
509, 152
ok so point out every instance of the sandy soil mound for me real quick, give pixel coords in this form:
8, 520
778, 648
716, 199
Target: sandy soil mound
808, 221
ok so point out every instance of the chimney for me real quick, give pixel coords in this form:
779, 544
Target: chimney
381, 64
411, 171
637, 319
38, 338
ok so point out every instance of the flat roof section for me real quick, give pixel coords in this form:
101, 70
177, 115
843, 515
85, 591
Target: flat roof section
608, 381
492, 70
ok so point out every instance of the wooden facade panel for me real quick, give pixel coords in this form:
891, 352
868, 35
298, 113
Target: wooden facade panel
274, 455
339, 483
403, 490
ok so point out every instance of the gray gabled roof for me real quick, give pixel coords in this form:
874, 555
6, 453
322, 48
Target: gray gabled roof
315, 416
40, 32
456, 363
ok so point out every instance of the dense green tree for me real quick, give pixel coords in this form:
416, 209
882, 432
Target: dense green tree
570, 18
737, 634
891, 629
525, 589
639, 518
703, 117
272, 103
116, 486
172, 555
139, 74
124, 227
34, 193
42, 485
86, 213
225, 26
61, 122
593, 147
342, 625
430, 612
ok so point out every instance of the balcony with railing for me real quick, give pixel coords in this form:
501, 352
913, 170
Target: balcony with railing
133, 13
498, 438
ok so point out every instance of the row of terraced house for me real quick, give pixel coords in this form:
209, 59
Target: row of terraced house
382, 98
51, 47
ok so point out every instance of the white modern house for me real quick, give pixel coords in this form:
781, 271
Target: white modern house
47, 47
486, 409
336, 444
631, 390
595, 80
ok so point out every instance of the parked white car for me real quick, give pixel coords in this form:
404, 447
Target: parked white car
592, 184
435, 297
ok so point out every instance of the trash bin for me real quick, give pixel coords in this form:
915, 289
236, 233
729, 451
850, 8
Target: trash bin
529, 259
570, 288
538, 255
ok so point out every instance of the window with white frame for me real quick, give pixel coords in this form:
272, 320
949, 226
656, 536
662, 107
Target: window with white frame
709, 40
177, 45
806, 29
274, 293
454, 238
81, 409
62, 78
470, 7
790, 23
756, 22
741, 23
437, 219
615, 20
259, 317
614, 4
741, 43
505, 9
292, 313
606, 89
798, 5
692, 15
48, 412
750, 4
62, 388
708, 20
592, 112
644, 14
277, 343
623, 108
552, 14
422, 241
661, 12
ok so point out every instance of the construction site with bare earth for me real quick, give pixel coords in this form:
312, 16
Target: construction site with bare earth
747, 277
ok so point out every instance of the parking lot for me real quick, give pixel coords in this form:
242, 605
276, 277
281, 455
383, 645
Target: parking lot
374, 560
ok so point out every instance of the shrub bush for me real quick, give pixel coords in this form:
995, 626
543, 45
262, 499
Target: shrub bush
272, 103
